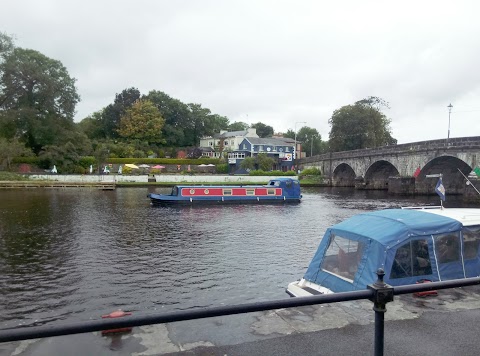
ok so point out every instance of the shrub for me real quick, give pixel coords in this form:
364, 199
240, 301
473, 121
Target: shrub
222, 168
312, 171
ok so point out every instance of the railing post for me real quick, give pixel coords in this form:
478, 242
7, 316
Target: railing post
382, 294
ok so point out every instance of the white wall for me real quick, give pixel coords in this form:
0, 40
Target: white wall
177, 178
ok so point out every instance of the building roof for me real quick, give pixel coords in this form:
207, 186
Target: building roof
270, 141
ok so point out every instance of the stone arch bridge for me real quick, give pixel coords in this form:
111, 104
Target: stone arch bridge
403, 169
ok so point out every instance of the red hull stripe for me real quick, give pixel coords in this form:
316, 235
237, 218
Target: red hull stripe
228, 192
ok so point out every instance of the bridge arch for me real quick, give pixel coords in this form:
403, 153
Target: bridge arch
449, 167
343, 176
376, 176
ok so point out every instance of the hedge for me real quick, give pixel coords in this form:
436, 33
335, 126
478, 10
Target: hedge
174, 161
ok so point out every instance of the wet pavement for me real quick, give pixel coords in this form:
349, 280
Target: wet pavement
446, 324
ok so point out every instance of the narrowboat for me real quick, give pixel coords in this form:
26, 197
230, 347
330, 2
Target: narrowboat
279, 190
412, 245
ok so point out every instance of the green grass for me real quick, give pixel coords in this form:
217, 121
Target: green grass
9, 176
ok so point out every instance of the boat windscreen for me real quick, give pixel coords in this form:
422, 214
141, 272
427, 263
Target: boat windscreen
174, 191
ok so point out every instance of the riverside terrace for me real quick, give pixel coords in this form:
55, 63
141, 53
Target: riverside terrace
445, 324
373, 168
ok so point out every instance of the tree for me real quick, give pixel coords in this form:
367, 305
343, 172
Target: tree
263, 130
6, 45
142, 121
361, 125
238, 126
37, 98
10, 149
177, 117
92, 126
111, 115
310, 139
248, 163
264, 162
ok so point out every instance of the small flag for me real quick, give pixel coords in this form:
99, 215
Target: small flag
477, 171
440, 189
417, 172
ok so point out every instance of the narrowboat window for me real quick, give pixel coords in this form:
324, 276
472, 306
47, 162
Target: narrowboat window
275, 183
288, 184
250, 191
471, 242
342, 257
227, 192
447, 247
271, 191
411, 259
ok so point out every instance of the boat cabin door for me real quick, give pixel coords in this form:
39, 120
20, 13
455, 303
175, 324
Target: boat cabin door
449, 256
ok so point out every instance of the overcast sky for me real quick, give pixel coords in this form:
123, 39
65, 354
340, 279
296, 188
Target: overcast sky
277, 62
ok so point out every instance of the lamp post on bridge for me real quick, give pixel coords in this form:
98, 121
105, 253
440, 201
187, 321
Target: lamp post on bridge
449, 112
295, 148
311, 144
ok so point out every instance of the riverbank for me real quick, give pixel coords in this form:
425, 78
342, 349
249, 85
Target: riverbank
117, 180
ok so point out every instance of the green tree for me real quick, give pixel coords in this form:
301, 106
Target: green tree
92, 126
248, 163
37, 98
361, 125
264, 162
10, 149
142, 121
177, 117
111, 115
6, 45
310, 139
263, 130
238, 126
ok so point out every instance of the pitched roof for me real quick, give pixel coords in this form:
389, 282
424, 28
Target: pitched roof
270, 141
231, 134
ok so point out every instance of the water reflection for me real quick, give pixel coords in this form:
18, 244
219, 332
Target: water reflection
75, 254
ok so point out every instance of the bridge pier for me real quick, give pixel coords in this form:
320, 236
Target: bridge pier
401, 185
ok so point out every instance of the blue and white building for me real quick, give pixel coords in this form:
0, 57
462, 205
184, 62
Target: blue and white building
235, 146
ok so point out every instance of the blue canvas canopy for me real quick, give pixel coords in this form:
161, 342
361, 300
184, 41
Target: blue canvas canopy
351, 252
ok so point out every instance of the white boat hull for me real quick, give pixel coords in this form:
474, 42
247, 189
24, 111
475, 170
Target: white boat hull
303, 288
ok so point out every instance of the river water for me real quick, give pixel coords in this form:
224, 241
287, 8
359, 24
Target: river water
74, 254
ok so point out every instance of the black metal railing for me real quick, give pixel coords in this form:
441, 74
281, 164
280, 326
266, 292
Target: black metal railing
379, 293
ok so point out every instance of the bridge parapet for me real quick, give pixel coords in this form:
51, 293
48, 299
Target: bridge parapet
453, 143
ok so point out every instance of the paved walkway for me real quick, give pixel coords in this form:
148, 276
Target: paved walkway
444, 325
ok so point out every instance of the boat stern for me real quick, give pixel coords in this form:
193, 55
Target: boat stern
304, 288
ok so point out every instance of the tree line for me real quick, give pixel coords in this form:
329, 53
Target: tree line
37, 106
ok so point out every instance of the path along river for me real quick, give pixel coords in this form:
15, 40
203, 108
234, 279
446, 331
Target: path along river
74, 254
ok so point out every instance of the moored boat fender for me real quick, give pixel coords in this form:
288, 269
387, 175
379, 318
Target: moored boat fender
116, 314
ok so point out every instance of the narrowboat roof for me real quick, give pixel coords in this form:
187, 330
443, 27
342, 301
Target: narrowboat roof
393, 226
280, 179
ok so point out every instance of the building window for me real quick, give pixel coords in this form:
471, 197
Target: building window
210, 143
239, 155
244, 146
226, 143
232, 142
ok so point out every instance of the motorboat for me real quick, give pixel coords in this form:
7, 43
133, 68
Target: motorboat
411, 245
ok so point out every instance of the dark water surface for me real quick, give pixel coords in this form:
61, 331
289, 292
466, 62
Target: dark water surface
75, 254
